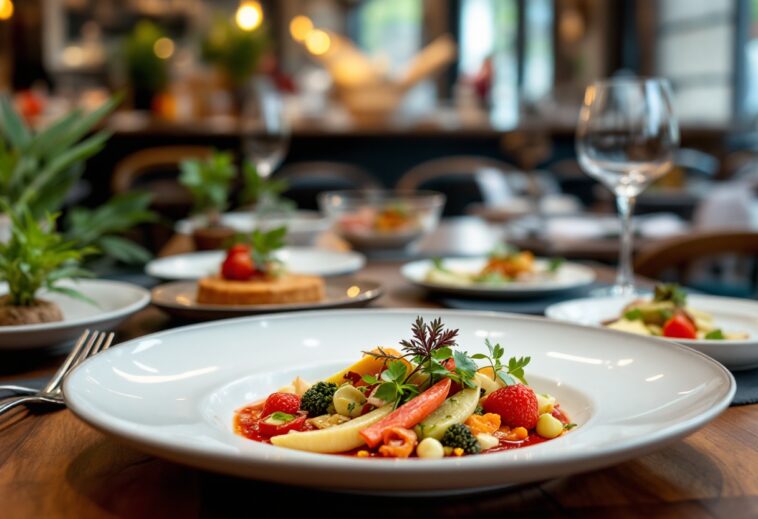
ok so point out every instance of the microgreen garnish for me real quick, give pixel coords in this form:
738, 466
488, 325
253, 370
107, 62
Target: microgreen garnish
439, 264
263, 244
554, 264
670, 292
392, 384
509, 373
715, 335
634, 314
568, 426
281, 417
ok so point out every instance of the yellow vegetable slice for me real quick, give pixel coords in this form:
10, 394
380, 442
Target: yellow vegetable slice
452, 411
368, 365
339, 438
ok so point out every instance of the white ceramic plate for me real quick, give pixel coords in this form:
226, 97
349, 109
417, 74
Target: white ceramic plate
174, 394
179, 298
300, 260
115, 302
569, 276
729, 314
302, 226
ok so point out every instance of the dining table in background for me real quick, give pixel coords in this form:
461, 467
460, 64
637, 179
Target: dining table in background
54, 465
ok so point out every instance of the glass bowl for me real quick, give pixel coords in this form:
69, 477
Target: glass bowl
376, 219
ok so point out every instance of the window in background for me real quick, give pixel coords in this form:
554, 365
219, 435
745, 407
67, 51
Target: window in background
489, 30
751, 62
694, 50
538, 64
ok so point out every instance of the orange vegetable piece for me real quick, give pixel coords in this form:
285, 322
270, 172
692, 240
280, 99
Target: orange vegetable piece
487, 423
399, 442
408, 414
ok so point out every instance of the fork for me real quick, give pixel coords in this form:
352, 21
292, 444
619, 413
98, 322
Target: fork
88, 345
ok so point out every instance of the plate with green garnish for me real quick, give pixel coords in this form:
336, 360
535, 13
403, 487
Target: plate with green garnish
504, 274
723, 328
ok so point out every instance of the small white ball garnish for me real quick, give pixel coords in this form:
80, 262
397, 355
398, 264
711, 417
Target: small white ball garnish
487, 441
430, 448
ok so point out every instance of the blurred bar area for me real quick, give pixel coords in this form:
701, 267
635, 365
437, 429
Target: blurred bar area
386, 85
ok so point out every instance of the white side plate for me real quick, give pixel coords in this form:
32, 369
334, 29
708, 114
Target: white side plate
729, 314
299, 260
115, 301
569, 276
174, 395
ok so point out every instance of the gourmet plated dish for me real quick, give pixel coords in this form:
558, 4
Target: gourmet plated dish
250, 275
503, 266
427, 400
667, 315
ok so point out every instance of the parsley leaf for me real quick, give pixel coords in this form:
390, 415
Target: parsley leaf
635, 314
715, 335
670, 292
554, 264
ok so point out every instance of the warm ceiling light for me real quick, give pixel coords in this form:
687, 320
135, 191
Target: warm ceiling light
300, 26
6, 9
318, 42
163, 48
249, 16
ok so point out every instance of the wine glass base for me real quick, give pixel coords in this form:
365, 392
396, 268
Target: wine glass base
618, 291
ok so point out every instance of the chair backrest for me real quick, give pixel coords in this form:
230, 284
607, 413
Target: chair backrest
307, 179
466, 179
684, 254
697, 162
137, 167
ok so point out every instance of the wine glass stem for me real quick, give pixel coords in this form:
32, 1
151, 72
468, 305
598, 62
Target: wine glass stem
625, 274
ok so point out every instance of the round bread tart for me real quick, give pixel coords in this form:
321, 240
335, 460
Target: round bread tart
290, 288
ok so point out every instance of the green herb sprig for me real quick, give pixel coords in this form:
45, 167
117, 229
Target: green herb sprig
508, 373
393, 386
670, 292
37, 257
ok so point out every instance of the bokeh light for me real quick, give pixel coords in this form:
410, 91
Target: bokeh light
249, 16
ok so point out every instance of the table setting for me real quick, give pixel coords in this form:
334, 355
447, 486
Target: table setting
385, 357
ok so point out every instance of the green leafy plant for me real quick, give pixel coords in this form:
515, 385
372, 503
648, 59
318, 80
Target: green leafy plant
209, 181
148, 73
392, 384
38, 257
265, 193
101, 227
234, 51
37, 170
509, 373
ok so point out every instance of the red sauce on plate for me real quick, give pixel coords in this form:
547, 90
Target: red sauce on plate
246, 424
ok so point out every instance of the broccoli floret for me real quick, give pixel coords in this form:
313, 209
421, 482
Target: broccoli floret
459, 435
318, 398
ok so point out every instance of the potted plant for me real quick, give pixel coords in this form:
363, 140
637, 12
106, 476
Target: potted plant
147, 72
209, 182
37, 257
38, 169
264, 194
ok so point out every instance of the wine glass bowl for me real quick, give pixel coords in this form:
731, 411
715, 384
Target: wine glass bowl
626, 138
265, 128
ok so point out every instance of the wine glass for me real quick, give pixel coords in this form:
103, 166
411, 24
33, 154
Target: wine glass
626, 138
265, 129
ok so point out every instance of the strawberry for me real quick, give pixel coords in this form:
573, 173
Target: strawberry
516, 405
282, 403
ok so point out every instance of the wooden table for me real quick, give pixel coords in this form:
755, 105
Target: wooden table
53, 465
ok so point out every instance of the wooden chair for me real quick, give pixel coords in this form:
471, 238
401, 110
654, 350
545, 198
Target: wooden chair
307, 179
466, 179
717, 254
155, 170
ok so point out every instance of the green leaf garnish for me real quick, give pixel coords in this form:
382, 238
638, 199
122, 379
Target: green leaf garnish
554, 264
671, 292
715, 335
281, 417
568, 426
634, 314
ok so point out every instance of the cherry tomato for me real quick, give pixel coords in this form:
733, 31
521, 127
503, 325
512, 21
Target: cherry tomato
238, 266
268, 430
680, 327
238, 248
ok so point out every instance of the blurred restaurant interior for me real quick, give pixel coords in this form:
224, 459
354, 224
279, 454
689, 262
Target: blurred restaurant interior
478, 99
170, 161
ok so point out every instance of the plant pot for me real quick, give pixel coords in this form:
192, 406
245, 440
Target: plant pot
212, 238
